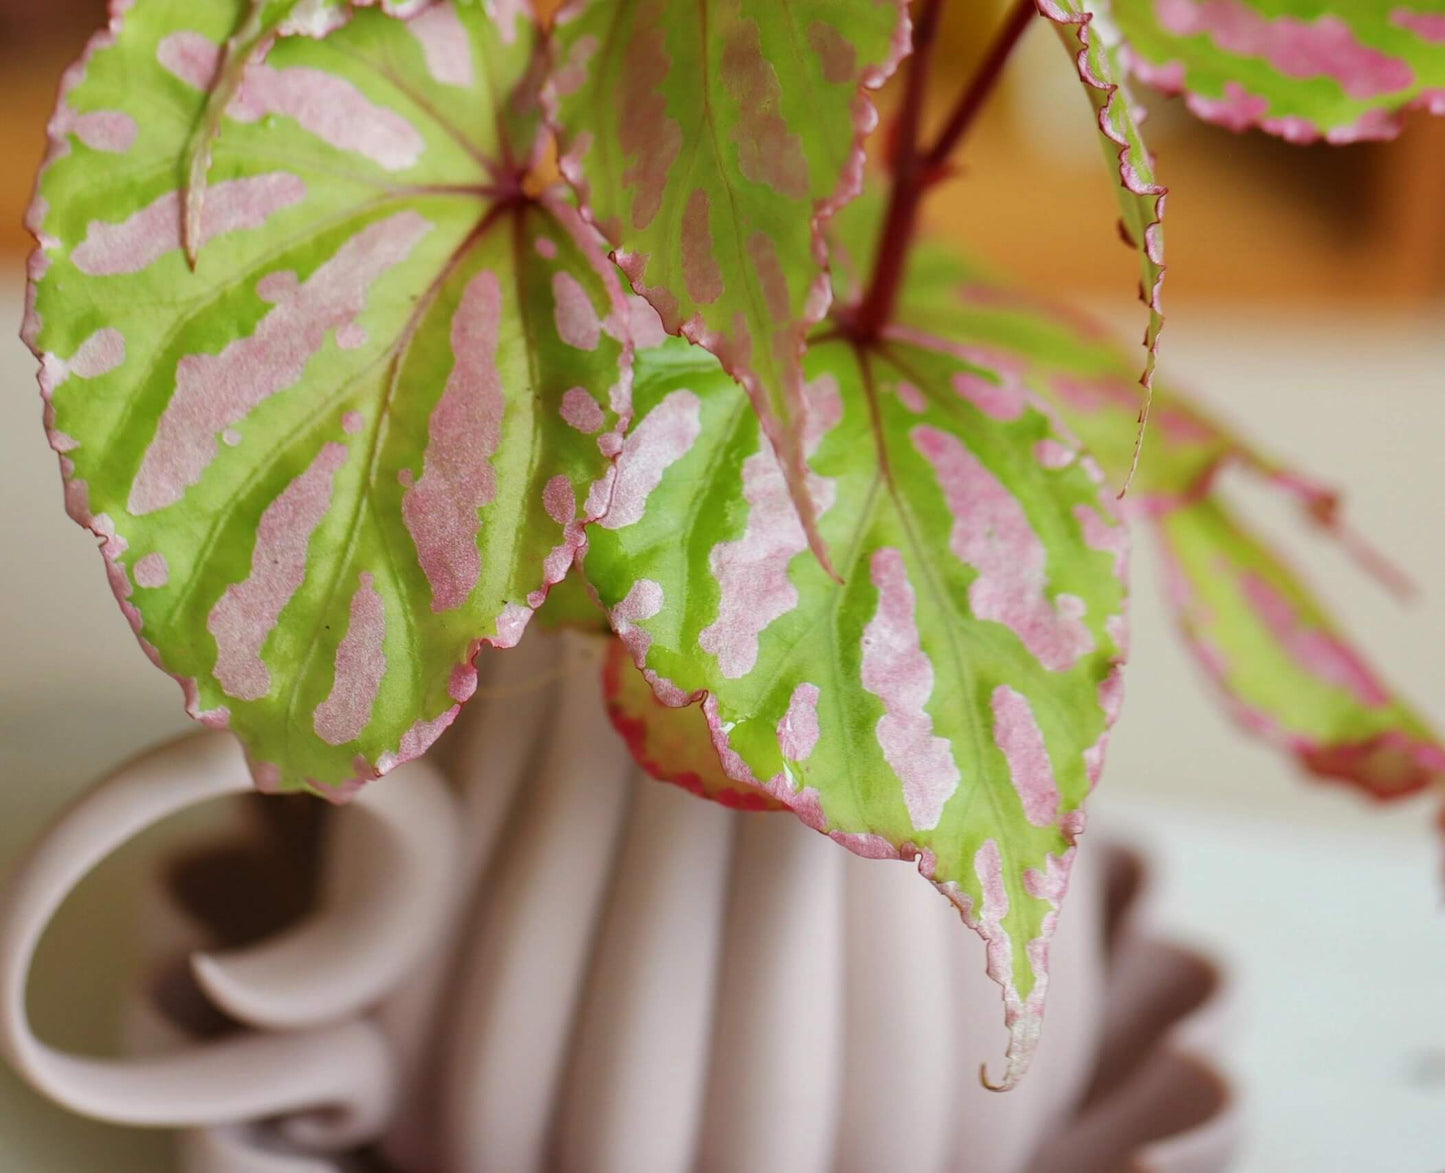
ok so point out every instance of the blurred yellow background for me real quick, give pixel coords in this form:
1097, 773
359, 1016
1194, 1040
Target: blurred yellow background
1250, 218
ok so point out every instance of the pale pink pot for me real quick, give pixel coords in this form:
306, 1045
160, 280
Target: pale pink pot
530, 957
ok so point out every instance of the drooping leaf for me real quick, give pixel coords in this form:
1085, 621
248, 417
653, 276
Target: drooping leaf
710, 141
1367, 736
672, 744
362, 437
1338, 70
1141, 197
950, 703
1280, 663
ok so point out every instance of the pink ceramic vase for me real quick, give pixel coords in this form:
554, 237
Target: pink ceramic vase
528, 956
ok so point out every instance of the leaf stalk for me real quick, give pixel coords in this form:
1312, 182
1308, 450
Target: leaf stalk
915, 169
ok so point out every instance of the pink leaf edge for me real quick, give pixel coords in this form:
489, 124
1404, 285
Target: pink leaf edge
1129, 178
1240, 111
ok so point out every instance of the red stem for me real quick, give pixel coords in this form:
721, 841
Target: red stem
891, 255
981, 85
914, 171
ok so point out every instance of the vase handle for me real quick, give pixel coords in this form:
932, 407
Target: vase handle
387, 888
335, 1082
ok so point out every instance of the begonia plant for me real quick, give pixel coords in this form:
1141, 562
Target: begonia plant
362, 327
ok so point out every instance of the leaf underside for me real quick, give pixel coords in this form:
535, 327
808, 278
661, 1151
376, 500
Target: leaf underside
1305, 70
950, 699
710, 141
672, 744
360, 439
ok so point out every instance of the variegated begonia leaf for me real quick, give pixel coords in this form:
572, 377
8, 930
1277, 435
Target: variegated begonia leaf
361, 438
1141, 198
1338, 70
1255, 628
709, 141
947, 701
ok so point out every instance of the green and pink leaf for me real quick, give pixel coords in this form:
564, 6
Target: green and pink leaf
361, 438
949, 700
1279, 662
1305, 703
1339, 70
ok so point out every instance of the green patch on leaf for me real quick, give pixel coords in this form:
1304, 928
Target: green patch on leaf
570, 606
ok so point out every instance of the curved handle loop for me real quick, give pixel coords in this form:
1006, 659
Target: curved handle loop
390, 869
336, 1081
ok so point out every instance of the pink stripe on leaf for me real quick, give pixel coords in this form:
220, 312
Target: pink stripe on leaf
325, 105
247, 612
752, 571
1325, 47
216, 391
897, 671
664, 437
444, 44
442, 509
131, 245
1017, 734
1317, 651
991, 533
360, 665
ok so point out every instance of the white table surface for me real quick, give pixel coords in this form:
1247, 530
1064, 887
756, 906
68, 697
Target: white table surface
1328, 910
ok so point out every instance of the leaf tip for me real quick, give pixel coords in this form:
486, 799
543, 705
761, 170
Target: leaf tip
1006, 1084
1373, 561
1148, 384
